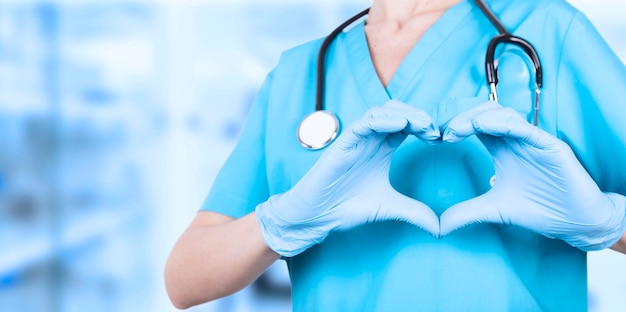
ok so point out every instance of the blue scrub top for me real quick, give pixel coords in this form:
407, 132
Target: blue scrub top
393, 266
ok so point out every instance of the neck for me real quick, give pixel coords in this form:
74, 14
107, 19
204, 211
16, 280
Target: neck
401, 12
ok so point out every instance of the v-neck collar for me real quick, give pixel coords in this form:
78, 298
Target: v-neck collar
363, 69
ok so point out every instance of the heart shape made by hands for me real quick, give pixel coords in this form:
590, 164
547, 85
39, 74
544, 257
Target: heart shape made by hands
540, 185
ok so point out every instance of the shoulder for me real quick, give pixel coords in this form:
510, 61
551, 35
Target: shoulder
305, 50
544, 22
559, 11
560, 7
556, 14
296, 68
298, 60
556, 20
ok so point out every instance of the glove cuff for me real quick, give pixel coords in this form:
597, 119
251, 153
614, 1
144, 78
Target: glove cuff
609, 233
289, 238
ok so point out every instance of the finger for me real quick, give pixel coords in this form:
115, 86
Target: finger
394, 139
420, 123
365, 128
402, 208
375, 112
506, 122
460, 127
481, 209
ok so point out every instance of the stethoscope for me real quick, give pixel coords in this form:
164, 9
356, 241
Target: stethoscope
318, 129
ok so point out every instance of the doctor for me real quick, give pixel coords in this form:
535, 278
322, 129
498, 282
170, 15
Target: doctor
432, 198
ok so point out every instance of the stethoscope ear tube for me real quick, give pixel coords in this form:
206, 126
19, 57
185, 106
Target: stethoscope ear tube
490, 68
492, 72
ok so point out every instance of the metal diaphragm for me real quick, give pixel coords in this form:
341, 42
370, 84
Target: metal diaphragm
318, 130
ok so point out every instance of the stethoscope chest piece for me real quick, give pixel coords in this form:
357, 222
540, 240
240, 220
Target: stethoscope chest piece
318, 129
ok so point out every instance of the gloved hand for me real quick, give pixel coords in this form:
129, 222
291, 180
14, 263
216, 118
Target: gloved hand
349, 184
539, 185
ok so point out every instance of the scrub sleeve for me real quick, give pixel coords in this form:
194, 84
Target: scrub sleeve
241, 183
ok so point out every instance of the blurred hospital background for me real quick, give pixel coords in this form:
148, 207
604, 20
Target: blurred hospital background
115, 117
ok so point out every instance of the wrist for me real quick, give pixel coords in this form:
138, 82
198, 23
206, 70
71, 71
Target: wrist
620, 245
606, 234
288, 237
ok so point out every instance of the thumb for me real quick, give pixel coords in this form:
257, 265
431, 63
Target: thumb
403, 208
480, 209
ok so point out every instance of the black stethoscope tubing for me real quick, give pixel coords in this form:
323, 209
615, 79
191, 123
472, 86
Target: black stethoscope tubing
504, 36
321, 58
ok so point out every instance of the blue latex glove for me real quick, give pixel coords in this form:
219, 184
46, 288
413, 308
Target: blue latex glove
349, 184
539, 185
